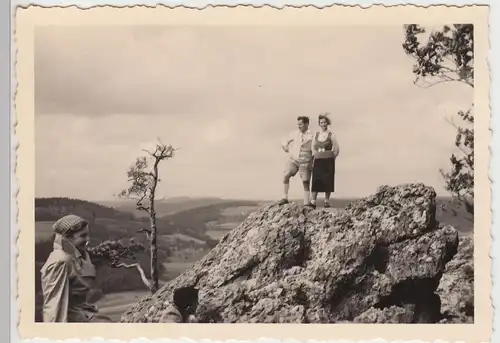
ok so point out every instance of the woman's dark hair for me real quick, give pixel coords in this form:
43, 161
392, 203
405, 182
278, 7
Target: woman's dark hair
303, 119
185, 297
325, 117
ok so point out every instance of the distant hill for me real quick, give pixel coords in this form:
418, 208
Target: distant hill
188, 218
51, 209
106, 222
164, 207
208, 212
197, 220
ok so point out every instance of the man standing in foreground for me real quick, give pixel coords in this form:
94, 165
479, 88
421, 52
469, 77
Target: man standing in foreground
298, 145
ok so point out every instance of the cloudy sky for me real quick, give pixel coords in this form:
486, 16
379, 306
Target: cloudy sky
227, 96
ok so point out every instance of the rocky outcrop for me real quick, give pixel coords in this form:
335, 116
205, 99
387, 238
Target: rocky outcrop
456, 288
378, 260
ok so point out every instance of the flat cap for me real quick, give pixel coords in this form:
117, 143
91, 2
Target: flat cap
68, 224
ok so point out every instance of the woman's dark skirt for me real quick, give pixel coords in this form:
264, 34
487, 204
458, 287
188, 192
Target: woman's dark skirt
323, 175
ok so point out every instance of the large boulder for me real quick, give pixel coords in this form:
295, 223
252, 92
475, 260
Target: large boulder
380, 259
456, 288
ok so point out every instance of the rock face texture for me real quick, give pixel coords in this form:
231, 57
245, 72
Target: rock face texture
379, 260
456, 288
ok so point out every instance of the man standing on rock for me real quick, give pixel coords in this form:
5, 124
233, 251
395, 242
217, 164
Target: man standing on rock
298, 145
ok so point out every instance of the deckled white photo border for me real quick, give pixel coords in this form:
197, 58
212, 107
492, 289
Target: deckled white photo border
223, 331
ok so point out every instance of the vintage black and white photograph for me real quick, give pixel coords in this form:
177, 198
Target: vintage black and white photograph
319, 174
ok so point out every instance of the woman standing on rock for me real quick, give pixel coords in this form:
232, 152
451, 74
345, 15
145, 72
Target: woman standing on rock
68, 274
325, 150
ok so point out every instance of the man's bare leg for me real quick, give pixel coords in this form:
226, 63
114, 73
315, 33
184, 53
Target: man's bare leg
291, 170
306, 181
307, 198
286, 188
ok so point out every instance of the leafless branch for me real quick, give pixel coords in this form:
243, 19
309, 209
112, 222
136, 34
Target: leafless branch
147, 151
443, 78
139, 269
139, 204
431, 84
469, 83
464, 151
147, 232
142, 208
451, 122
448, 58
454, 71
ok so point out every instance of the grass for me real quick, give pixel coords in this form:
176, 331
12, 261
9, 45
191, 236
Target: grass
228, 226
43, 230
115, 304
174, 269
217, 233
185, 238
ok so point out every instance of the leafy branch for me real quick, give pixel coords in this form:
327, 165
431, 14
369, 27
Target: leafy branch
448, 56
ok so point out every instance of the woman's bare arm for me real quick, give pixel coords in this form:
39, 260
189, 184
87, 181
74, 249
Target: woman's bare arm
335, 144
313, 148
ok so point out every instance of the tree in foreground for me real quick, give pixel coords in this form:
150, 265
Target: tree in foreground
144, 177
448, 56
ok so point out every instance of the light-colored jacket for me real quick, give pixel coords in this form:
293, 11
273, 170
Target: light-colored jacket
298, 145
67, 277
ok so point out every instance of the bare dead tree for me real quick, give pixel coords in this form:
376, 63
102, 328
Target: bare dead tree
144, 181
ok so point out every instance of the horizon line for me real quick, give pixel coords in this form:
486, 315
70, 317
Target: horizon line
207, 197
